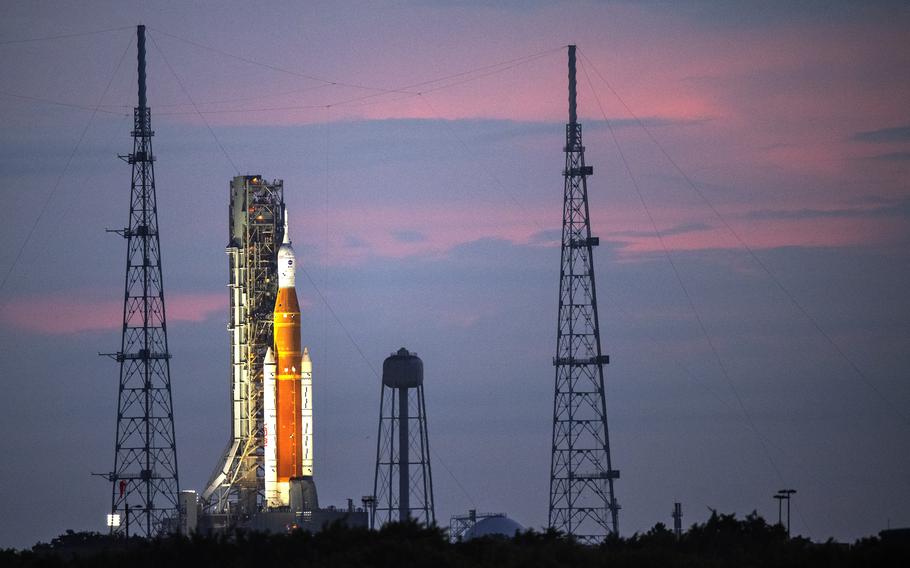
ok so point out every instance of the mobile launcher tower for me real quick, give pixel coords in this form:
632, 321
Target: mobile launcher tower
271, 380
265, 479
256, 230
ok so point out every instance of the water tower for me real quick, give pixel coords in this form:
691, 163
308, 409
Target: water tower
403, 483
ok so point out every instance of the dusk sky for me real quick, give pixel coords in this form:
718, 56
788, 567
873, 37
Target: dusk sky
420, 144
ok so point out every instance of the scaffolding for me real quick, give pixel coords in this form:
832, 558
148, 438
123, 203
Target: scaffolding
256, 229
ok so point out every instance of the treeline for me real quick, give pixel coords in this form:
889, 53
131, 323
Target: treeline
722, 541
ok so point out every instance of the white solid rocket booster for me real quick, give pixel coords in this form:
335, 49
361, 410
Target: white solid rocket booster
270, 443
306, 413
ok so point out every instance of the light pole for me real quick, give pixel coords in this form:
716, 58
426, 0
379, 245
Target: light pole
369, 505
781, 495
780, 498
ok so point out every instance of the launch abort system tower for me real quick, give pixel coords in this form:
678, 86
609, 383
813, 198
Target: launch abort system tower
256, 231
581, 473
144, 479
403, 482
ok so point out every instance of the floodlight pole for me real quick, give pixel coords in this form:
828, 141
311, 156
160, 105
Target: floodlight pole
784, 494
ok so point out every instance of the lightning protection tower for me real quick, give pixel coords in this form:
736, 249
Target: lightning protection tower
145, 486
581, 473
403, 483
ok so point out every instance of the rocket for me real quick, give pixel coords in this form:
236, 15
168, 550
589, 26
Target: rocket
287, 390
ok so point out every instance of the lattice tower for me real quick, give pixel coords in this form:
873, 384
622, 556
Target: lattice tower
145, 482
581, 474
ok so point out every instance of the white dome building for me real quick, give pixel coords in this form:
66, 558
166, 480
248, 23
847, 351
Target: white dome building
497, 525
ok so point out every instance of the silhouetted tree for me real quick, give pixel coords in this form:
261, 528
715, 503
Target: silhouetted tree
721, 541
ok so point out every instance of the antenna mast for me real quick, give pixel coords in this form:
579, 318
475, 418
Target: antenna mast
581, 473
145, 486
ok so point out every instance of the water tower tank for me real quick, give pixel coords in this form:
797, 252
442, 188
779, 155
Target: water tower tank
402, 370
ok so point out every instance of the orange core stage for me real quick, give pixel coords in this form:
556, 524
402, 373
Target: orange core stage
288, 386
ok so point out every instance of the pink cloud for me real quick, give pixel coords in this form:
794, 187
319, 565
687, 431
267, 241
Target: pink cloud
822, 232
688, 227
783, 101
59, 314
370, 231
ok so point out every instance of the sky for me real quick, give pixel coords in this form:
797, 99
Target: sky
750, 194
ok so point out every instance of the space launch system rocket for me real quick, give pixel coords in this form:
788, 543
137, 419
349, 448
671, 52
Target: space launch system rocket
287, 392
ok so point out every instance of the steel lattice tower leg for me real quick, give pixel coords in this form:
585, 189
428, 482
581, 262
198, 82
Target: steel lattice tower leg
581, 473
145, 486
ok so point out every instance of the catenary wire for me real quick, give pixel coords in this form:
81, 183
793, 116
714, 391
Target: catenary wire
190, 98
681, 282
269, 65
375, 372
67, 105
703, 385
742, 243
489, 171
405, 92
55, 189
64, 36
402, 90
68, 208
407, 89
704, 330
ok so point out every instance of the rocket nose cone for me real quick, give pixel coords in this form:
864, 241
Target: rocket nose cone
269, 357
306, 355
